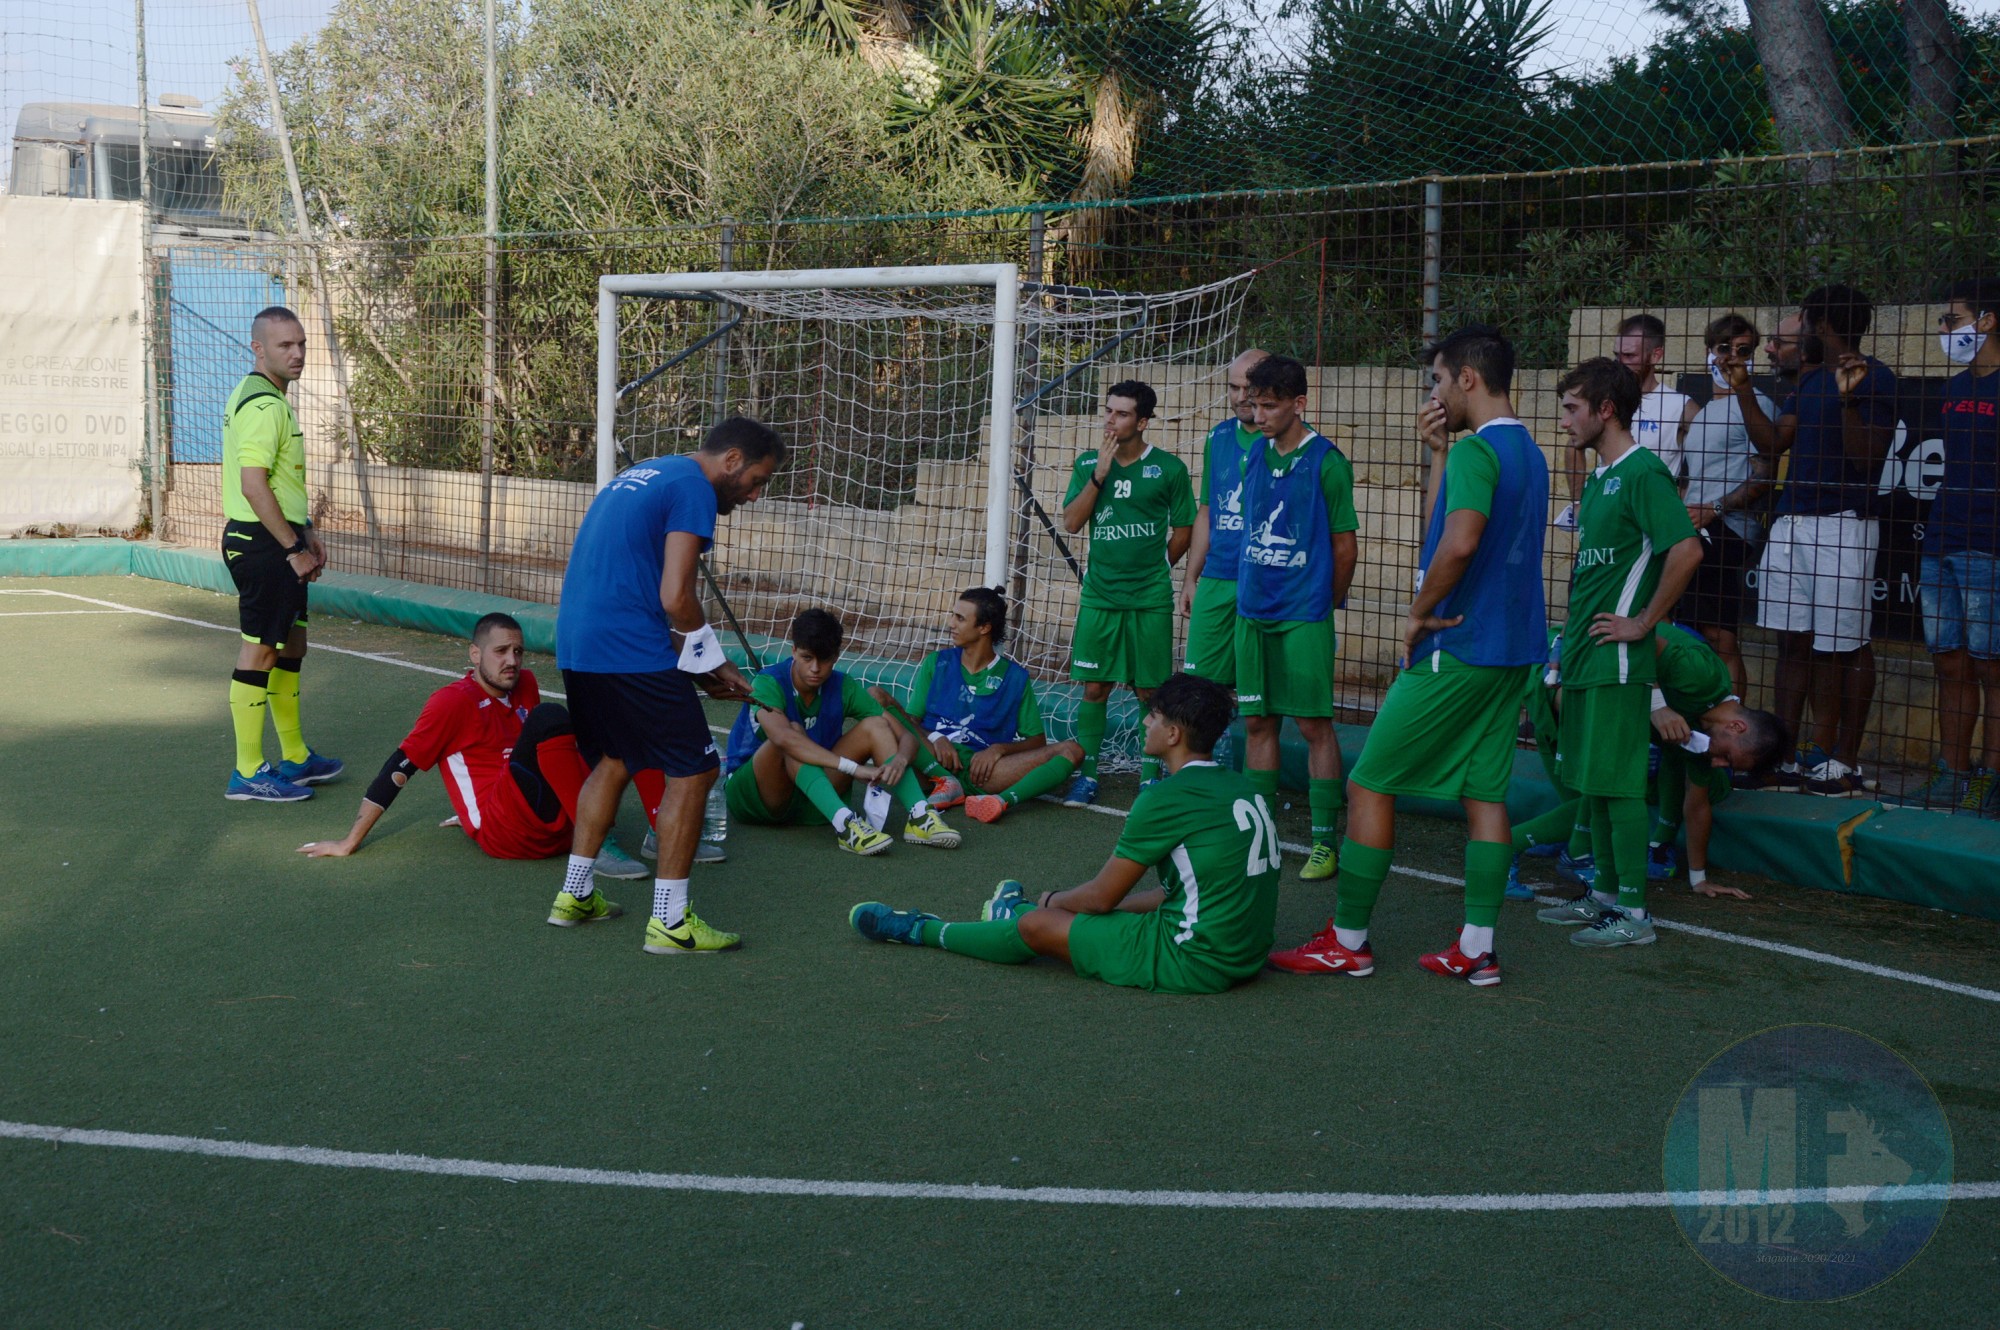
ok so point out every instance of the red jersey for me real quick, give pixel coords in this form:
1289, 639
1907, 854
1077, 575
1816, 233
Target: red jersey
470, 735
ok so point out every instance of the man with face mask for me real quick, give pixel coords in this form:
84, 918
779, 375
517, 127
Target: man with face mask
633, 642
1726, 479
1961, 558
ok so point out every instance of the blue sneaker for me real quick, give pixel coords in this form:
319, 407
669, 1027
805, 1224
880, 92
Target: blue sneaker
1548, 851
1517, 890
1082, 792
1660, 863
878, 923
264, 786
1582, 872
1006, 901
317, 769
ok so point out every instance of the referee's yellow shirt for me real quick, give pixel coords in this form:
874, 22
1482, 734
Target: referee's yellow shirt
259, 429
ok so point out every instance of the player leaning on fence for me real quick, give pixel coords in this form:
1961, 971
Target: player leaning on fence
272, 553
1297, 559
1139, 505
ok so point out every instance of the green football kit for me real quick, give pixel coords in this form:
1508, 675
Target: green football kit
746, 801
1124, 624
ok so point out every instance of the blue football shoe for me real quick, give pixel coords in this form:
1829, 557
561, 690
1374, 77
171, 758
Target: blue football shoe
1517, 890
878, 923
1660, 863
1082, 792
1581, 871
264, 786
317, 769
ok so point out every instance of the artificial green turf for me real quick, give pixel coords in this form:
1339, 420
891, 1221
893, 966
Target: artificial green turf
170, 964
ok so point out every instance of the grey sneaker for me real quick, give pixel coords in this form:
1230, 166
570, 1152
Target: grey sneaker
615, 863
705, 851
1616, 929
1585, 909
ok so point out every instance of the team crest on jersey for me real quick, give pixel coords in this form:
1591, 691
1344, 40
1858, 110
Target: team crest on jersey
1612, 485
1272, 550
1150, 473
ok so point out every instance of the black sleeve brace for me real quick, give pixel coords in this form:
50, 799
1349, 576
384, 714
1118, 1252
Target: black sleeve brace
391, 779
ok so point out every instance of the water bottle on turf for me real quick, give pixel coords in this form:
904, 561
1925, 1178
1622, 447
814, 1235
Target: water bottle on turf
715, 817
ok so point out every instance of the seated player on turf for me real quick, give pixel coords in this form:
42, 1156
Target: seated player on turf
511, 765
981, 725
1139, 504
793, 737
1206, 831
1476, 629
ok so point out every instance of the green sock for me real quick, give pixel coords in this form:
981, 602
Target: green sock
1090, 722
248, 690
1265, 783
1628, 848
1044, 779
908, 790
997, 940
1327, 798
1149, 769
814, 785
1581, 838
1555, 825
1606, 884
1362, 869
1664, 833
284, 706
1485, 881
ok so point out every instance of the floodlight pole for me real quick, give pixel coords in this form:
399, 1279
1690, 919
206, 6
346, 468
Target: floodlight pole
155, 441
489, 340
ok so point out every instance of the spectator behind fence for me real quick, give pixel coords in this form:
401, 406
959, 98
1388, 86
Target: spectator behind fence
1727, 479
1961, 558
1818, 570
1661, 423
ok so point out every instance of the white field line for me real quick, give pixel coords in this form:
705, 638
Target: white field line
47, 614
929, 1191
1713, 934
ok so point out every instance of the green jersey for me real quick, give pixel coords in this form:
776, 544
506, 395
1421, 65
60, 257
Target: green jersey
979, 683
1693, 678
1135, 513
259, 429
1210, 837
769, 694
1630, 516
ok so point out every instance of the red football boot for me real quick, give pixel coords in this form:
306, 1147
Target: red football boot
1479, 971
1322, 954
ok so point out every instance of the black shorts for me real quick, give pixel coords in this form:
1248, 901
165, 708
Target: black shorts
270, 598
1716, 596
647, 721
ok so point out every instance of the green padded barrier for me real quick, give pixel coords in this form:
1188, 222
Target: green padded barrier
1790, 837
65, 558
1936, 859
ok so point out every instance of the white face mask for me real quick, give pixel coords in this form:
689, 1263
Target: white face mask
1962, 344
1715, 369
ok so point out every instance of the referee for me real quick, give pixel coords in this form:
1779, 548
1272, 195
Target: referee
272, 552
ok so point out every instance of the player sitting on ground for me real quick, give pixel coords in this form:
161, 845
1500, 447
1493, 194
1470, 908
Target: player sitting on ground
511, 765
788, 740
1204, 828
981, 723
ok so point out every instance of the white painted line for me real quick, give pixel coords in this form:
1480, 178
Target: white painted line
948, 1191
1445, 879
45, 614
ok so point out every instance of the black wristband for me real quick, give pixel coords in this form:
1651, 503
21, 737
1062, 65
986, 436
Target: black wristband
299, 548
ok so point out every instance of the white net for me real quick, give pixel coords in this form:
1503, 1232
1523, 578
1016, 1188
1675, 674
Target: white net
884, 397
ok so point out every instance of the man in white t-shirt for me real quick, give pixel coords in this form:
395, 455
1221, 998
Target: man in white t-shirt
1727, 479
1661, 422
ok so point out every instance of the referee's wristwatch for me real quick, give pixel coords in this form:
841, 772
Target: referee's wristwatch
299, 548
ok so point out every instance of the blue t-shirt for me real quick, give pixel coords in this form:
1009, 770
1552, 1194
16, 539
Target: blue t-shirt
610, 620
1500, 593
1822, 480
1966, 513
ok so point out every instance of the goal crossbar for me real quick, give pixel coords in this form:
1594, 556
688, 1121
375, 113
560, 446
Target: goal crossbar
1003, 278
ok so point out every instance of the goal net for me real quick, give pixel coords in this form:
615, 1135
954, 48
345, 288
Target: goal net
898, 491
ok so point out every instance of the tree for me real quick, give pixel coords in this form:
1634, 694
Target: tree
1934, 69
1800, 81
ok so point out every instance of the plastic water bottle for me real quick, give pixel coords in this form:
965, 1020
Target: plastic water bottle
715, 816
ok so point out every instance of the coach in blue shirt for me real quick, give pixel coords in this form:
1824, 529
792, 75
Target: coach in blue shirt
628, 593
1816, 581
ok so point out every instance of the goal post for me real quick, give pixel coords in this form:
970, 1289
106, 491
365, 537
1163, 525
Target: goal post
1004, 279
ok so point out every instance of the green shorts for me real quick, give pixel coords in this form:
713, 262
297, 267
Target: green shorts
1284, 667
1211, 638
746, 803
1122, 646
1605, 734
1446, 731
1128, 950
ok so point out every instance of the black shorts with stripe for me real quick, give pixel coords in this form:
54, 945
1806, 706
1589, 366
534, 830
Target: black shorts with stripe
270, 598
647, 721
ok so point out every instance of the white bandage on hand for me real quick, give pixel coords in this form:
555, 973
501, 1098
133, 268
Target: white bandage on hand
701, 652
848, 766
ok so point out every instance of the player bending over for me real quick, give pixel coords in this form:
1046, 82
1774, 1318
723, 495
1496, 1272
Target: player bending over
792, 737
1206, 831
1139, 505
511, 765
1475, 631
981, 725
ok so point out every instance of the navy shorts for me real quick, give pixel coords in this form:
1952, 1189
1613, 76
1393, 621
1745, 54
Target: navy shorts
647, 721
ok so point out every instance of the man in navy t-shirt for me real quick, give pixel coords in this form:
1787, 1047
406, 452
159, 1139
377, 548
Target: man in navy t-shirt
1816, 581
628, 593
1961, 558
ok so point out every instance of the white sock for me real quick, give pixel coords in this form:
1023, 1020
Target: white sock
1635, 914
841, 819
576, 877
1697, 876
1604, 897
1473, 940
1354, 939
670, 900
